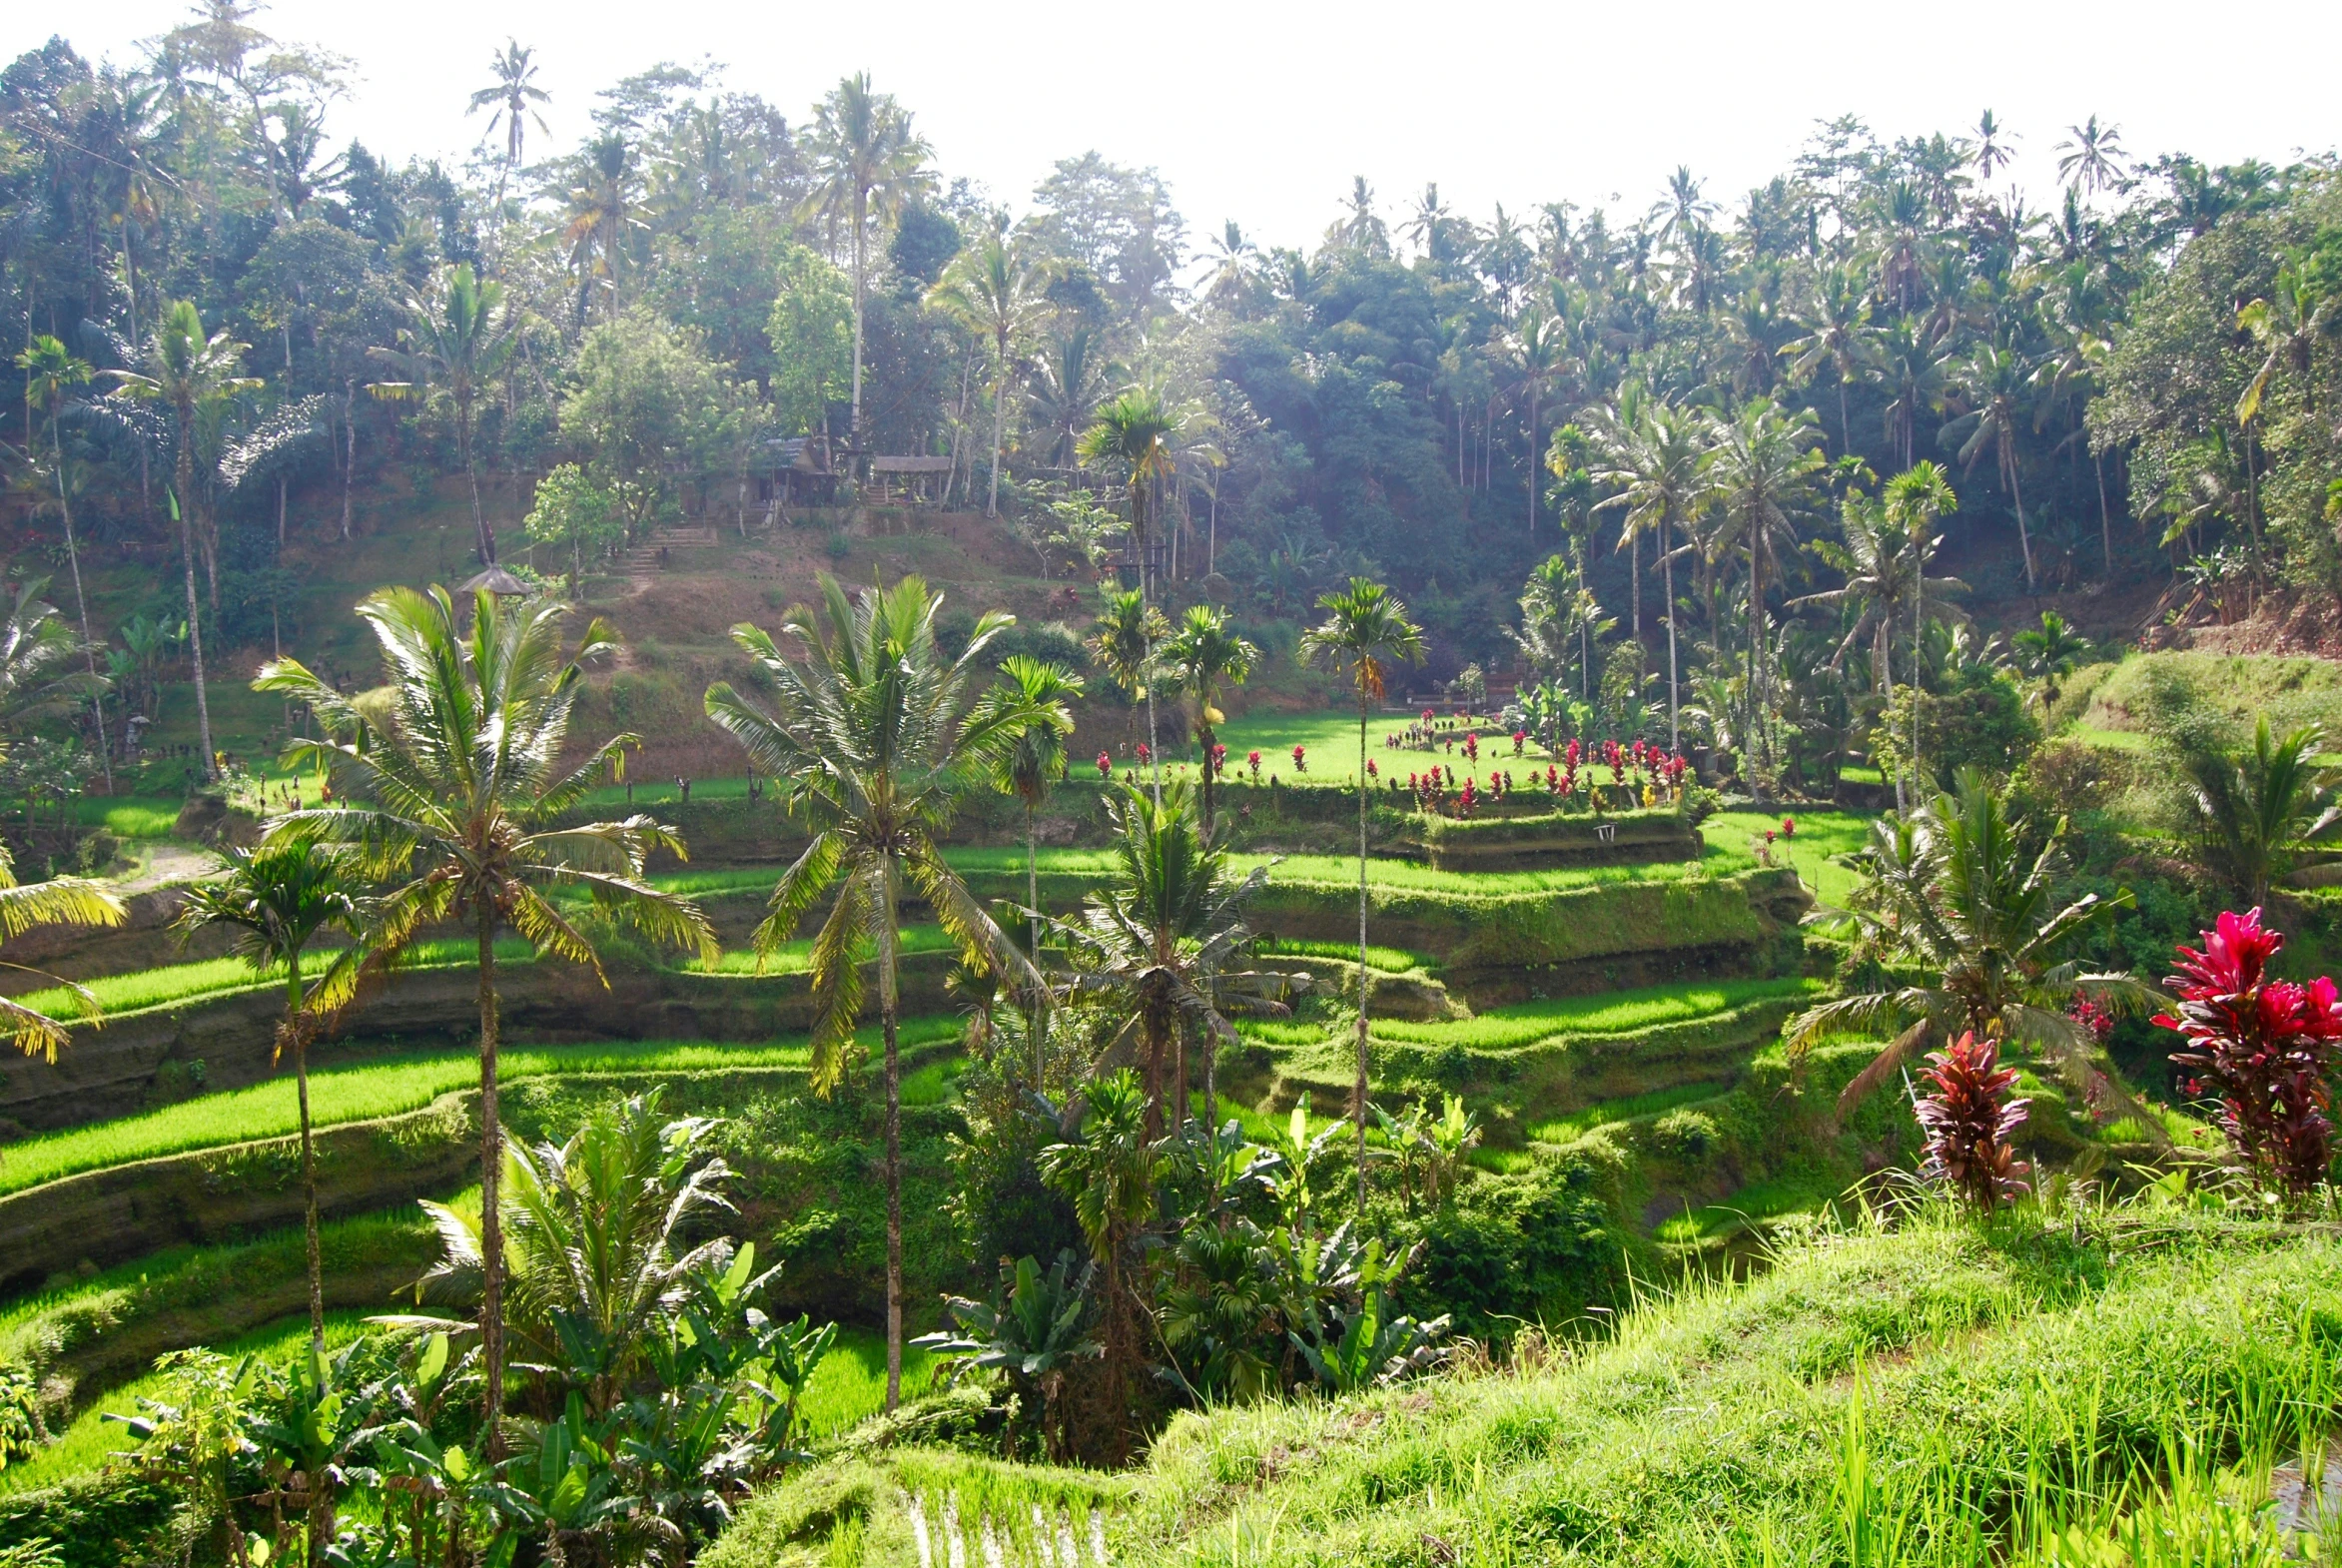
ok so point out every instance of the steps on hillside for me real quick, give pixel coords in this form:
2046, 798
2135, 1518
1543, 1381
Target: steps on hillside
642, 561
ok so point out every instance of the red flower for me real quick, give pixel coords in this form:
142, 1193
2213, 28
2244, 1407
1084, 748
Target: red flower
1144, 754
1789, 827
1105, 766
1520, 738
1768, 835
1472, 747
1573, 753
1252, 761
1373, 771
1299, 766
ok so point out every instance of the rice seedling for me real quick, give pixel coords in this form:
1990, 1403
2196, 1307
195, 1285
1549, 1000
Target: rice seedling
1559, 1129
171, 984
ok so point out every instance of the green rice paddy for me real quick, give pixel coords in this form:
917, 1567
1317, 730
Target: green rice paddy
213, 977
1613, 1013
385, 1087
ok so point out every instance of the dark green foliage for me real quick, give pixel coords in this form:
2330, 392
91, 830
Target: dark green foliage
100, 1523
1542, 1246
1980, 720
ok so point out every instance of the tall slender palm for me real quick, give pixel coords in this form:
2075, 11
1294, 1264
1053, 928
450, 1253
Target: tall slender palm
1204, 655
1760, 475
2090, 158
1992, 145
1031, 765
2050, 652
1367, 631
1952, 892
1881, 576
459, 793
1910, 369
1123, 641
278, 900
513, 95
52, 372
998, 290
1539, 344
872, 739
1656, 461
1916, 500
1159, 946
454, 340
1834, 324
196, 375
61, 900
1994, 382
1138, 432
600, 216
867, 162
1069, 383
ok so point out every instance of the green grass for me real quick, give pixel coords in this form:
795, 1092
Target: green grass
375, 1088
212, 977
128, 817
92, 1440
1793, 1192
1929, 1390
1614, 1012
1562, 1129
1733, 836
850, 1386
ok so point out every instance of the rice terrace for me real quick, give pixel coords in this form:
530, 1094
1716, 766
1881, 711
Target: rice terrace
727, 843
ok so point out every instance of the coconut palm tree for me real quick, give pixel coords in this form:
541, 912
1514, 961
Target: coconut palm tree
454, 341
1069, 383
1916, 500
1202, 657
1539, 343
1994, 382
1952, 892
1760, 481
513, 95
2090, 158
1909, 369
1366, 630
60, 900
1886, 584
1139, 433
1654, 460
601, 212
52, 372
277, 900
1834, 324
1030, 767
999, 290
2257, 813
1110, 1171
865, 162
1992, 150
871, 739
1124, 641
1158, 947
456, 785
196, 375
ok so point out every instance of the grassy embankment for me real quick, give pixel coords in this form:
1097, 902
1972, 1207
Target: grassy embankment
1946, 1394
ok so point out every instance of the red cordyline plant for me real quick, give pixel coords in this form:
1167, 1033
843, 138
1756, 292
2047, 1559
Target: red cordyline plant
1969, 1122
2262, 1048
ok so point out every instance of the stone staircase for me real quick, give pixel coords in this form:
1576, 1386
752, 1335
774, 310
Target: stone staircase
642, 561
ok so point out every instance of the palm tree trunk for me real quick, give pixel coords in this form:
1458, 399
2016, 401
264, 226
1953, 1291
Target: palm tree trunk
480, 524
1039, 1019
1000, 414
889, 1002
1358, 1093
1845, 437
1755, 631
309, 1161
1634, 573
2024, 537
195, 630
81, 606
1674, 701
2105, 521
350, 449
492, 1173
1208, 735
861, 221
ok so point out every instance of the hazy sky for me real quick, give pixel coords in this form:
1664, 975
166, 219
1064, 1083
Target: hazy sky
1264, 112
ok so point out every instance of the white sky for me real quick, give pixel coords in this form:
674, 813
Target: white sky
1264, 112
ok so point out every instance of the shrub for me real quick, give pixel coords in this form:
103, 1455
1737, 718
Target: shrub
2261, 1047
1684, 1135
1969, 1122
1539, 1246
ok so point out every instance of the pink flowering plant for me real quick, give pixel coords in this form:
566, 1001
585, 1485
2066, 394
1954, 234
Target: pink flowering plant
2263, 1049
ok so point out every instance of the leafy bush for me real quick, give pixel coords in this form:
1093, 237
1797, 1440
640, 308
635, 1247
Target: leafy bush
1686, 1137
1540, 1246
